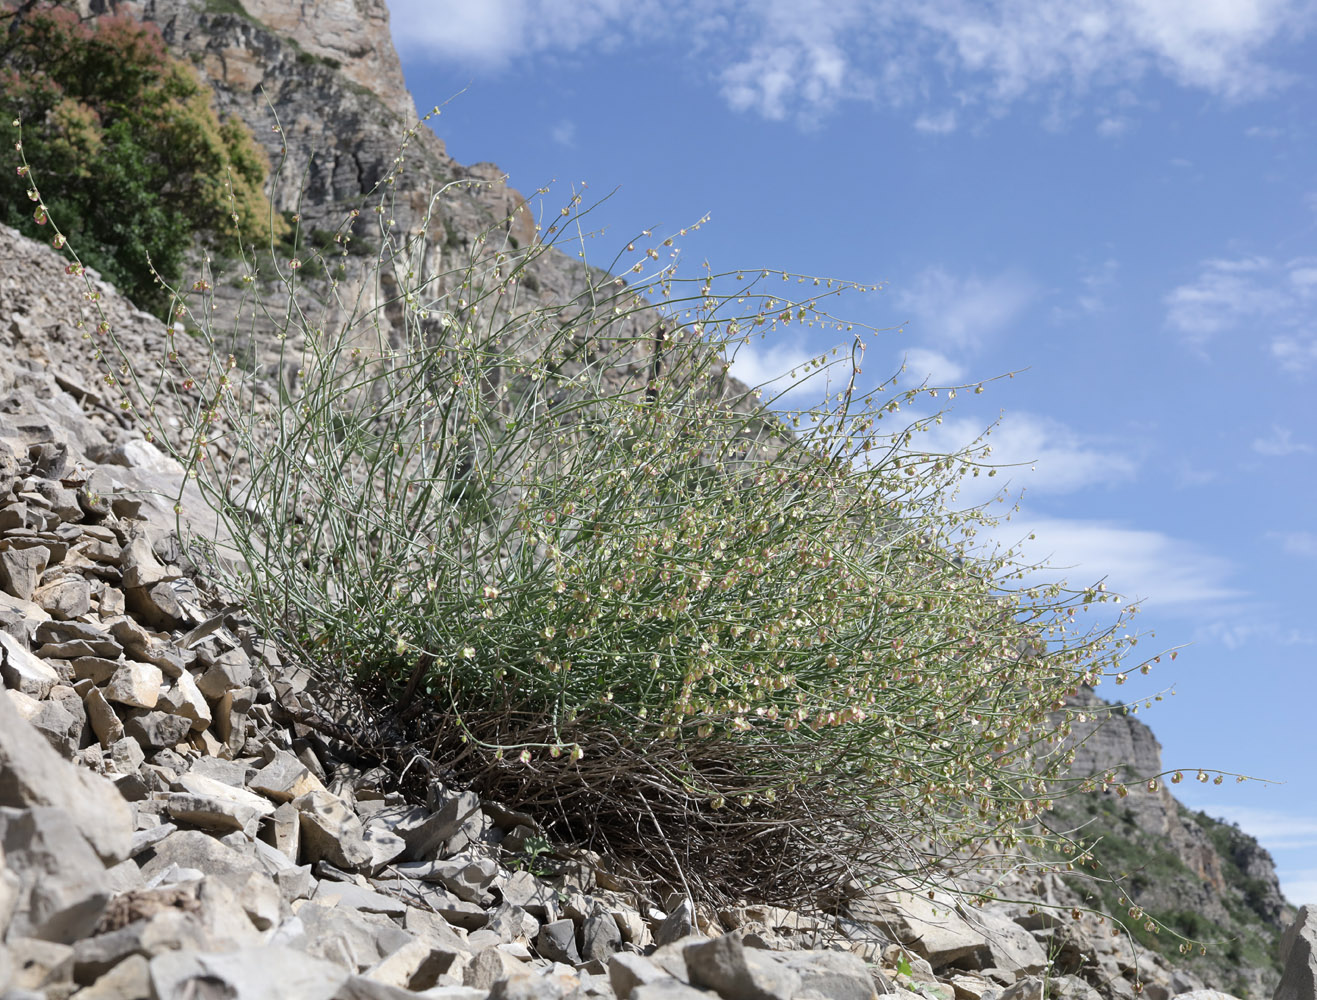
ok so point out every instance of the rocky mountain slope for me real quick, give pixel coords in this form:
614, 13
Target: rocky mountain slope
254, 840
1206, 879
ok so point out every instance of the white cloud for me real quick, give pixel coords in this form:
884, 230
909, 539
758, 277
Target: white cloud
1296, 543
932, 366
963, 313
1034, 453
1238, 633
1165, 572
1113, 126
1280, 443
937, 122
1250, 294
492, 33
781, 58
564, 133
770, 366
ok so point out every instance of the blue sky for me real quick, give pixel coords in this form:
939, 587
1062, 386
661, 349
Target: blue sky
1119, 196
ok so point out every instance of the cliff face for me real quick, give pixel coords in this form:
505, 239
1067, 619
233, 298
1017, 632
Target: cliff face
1208, 880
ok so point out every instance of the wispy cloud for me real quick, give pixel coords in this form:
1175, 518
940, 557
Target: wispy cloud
1253, 293
1167, 572
1239, 632
937, 122
1296, 543
932, 366
1280, 443
1033, 453
564, 133
964, 312
781, 58
779, 368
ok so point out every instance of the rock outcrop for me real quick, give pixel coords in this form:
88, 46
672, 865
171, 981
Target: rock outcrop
1205, 879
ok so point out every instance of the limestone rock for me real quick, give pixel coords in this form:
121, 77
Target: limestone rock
33, 774
272, 973
22, 671
62, 884
1298, 950
331, 831
725, 965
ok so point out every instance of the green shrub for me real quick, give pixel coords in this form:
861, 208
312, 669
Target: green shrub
135, 159
550, 547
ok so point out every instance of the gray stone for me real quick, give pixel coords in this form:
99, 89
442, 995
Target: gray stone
21, 566
627, 970
1028, 988
167, 929
509, 922
194, 849
331, 831
33, 774
600, 938
155, 729
675, 989
724, 964
284, 778
930, 930
230, 671
62, 884
169, 605
184, 698
129, 980
385, 846
97, 669
523, 985
140, 566
557, 942
59, 726
489, 967
354, 939
838, 975
457, 822
1298, 951
352, 895
104, 722
532, 895
211, 812
22, 671
136, 685
39, 965
67, 597
465, 876
677, 924
271, 973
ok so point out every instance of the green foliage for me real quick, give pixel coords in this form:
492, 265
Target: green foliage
126, 141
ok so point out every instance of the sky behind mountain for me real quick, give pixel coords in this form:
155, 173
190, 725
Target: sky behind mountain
1115, 198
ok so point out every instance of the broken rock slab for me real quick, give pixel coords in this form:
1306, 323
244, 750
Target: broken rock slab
272, 973
63, 889
1298, 951
34, 774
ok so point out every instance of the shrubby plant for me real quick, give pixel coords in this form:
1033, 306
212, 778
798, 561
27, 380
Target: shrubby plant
553, 550
135, 158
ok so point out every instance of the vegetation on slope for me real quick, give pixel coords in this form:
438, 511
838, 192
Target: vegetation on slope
134, 159
550, 550
1237, 932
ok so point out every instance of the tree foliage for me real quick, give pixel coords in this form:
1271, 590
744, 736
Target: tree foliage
125, 140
